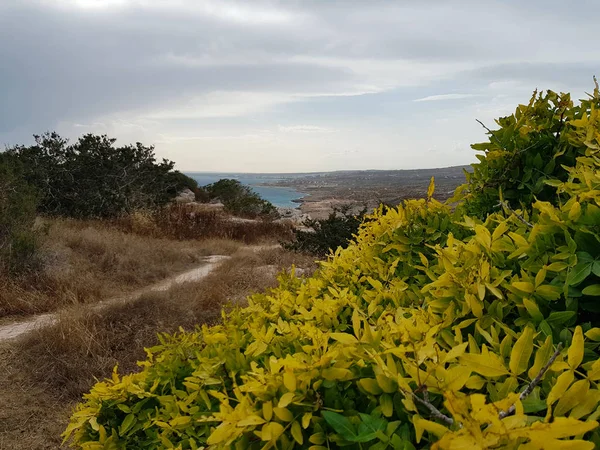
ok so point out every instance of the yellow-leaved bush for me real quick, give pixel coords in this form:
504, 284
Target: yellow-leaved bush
421, 334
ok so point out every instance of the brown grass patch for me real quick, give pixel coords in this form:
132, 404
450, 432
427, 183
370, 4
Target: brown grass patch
84, 264
190, 221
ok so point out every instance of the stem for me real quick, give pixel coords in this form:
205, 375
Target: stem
529, 388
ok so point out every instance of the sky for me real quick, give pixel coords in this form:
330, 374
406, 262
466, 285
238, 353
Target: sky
289, 85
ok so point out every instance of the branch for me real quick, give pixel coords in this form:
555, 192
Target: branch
436, 413
529, 388
517, 215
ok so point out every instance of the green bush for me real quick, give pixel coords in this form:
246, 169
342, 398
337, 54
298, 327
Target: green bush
94, 178
18, 201
338, 230
537, 143
240, 199
435, 329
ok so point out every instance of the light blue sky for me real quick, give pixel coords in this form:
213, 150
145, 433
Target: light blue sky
284, 86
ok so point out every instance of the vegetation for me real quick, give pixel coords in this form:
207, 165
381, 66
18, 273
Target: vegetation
94, 178
181, 221
326, 235
18, 201
45, 372
240, 199
437, 328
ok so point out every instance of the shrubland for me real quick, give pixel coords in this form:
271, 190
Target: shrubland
439, 327
94, 178
239, 199
323, 236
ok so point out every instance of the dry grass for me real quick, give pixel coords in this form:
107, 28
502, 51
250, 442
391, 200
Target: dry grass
84, 264
51, 368
190, 221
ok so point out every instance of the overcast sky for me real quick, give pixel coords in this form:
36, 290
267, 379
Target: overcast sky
287, 86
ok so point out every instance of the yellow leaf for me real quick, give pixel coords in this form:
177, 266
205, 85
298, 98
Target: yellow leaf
542, 356
336, 374
386, 384
575, 353
524, 286
519, 357
574, 395
343, 338
306, 420
431, 189
594, 372
251, 421
267, 408
593, 334
220, 434
559, 388
455, 352
317, 438
456, 377
575, 211
297, 433
387, 406
285, 399
483, 236
488, 364
370, 385
561, 427
283, 414
422, 425
289, 381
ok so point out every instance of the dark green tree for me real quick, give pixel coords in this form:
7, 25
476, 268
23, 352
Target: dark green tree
240, 199
18, 202
95, 178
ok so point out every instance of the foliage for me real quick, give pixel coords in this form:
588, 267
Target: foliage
421, 334
93, 177
240, 199
539, 142
180, 181
326, 235
18, 201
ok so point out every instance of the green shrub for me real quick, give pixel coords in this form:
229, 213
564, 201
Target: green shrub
18, 200
338, 230
435, 329
539, 142
94, 178
240, 199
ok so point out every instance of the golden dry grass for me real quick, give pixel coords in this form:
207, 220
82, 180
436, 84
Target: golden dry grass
47, 371
82, 263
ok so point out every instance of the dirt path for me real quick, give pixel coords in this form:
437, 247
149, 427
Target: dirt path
14, 330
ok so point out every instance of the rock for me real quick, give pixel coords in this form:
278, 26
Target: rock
185, 196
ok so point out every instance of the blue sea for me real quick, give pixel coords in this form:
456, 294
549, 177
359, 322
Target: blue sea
280, 196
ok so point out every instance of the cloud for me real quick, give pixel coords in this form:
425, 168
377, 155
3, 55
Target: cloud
167, 71
305, 129
441, 97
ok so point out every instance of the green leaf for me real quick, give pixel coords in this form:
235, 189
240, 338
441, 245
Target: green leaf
593, 290
369, 428
127, 423
560, 317
340, 424
579, 273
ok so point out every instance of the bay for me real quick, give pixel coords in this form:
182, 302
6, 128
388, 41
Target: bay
279, 196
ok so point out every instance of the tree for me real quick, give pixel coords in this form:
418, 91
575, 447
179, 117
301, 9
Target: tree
18, 202
95, 178
240, 199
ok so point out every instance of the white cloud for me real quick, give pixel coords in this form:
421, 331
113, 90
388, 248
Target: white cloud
442, 97
305, 129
